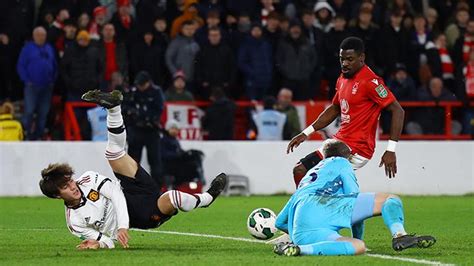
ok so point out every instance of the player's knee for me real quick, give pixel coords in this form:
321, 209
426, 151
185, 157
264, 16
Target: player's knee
165, 205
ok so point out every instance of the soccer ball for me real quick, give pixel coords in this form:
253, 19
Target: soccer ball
261, 223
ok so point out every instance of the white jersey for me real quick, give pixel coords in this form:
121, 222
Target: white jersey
102, 211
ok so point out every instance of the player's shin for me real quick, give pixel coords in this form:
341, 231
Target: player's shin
328, 248
117, 136
187, 202
392, 214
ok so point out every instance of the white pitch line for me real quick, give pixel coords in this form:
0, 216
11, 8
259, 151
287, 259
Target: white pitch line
426, 262
241, 239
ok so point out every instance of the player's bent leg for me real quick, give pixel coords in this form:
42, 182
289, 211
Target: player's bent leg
359, 245
342, 246
120, 162
186, 202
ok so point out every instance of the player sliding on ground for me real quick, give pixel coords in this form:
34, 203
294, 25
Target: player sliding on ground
327, 200
100, 209
360, 97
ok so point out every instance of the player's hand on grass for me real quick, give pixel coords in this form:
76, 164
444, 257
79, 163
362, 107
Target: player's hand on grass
389, 159
122, 237
295, 142
88, 244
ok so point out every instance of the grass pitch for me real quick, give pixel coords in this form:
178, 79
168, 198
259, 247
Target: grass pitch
33, 231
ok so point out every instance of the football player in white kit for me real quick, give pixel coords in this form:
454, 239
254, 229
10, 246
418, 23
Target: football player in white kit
100, 209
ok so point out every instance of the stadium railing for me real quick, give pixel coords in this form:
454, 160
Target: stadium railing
72, 130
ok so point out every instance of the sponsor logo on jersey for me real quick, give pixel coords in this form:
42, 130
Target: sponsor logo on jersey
87, 219
381, 91
93, 195
344, 106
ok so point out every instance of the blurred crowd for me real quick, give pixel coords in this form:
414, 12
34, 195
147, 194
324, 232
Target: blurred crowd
226, 50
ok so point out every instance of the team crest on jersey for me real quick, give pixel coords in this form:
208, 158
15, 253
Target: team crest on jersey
93, 195
355, 88
381, 91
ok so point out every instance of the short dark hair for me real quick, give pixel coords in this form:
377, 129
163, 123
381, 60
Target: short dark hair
336, 148
214, 29
353, 43
269, 103
54, 177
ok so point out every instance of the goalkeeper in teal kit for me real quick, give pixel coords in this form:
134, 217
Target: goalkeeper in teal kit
327, 200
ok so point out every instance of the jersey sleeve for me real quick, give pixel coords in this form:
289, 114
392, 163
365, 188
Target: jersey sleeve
282, 218
378, 92
349, 180
112, 190
83, 232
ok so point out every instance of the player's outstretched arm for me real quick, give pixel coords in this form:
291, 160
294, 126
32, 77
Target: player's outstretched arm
323, 120
389, 158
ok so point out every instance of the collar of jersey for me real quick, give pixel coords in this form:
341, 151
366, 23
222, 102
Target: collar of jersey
82, 203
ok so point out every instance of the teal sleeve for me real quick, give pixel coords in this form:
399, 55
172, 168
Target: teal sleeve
282, 218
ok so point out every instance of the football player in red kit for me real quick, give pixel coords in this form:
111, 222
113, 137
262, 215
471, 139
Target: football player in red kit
360, 97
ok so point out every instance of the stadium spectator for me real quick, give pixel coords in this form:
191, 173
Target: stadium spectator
330, 52
284, 26
81, 67
67, 39
431, 119
284, 105
312, 33
142, 108
190, 13
206, 6
100, 19
341, 7
269, 123
458, 27
124, 23
113, 53
401, 84
212, 21
236, 32
271, 30
267, 8
403, 6
296, 59
464, 44
116, 82
160, 28
440, 62
417, 49
215, 65
180, 165
182, 51
55, 31
38, 70
364, 28
147, 11
466, 78
147, 55
177, 92
255, 62
83, 22
324, 14
394, 40
432, 21
10, 128
218, 121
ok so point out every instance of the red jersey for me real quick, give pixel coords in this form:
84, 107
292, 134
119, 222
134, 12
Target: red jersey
361, 99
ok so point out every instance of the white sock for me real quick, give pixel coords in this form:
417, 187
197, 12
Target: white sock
187, 202
117, 136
